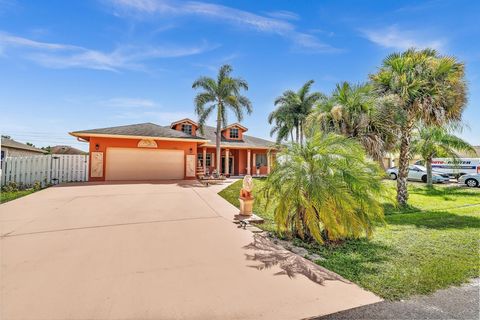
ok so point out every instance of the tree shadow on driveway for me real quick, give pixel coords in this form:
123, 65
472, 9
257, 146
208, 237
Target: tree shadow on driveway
269, 255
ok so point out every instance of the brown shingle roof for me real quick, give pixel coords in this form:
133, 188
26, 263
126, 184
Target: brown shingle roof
66, 150
142, 130
10, 143
153, 130
248, 141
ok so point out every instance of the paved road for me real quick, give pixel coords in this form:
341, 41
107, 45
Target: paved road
453, 303
151, 251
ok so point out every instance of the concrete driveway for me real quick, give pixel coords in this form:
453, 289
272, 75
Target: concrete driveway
151, 251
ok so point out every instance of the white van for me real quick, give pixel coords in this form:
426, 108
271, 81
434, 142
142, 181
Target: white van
455, 167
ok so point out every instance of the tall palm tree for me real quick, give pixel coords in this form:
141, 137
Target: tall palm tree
292, 111
283, 124
325, 190
220, 95
356, 112
429, 88
437, 142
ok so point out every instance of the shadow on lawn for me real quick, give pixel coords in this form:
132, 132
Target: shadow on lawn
353, 258
434, 220
447, 193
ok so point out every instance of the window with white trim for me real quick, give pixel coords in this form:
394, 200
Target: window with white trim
208, 159
233, 133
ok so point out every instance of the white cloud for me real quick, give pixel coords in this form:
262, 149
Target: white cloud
393, 37
273, 24
57, 55
284, 14
14, 41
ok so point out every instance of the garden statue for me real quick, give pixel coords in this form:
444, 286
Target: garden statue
246, 198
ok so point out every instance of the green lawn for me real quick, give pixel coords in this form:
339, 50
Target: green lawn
433, 244
9, 196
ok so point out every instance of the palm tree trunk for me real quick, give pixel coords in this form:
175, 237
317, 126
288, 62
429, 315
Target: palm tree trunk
296, 133
380, 163
428, 164
402, 191
301, 133
291, 134
218, 137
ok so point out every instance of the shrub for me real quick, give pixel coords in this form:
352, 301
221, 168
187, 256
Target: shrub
37, 185
10, 186
325, 190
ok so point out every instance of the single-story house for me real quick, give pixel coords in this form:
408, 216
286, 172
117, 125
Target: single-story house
148, 151
471, 155
12, 148
66, 150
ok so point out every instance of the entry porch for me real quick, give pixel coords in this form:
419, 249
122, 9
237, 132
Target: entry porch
235, 161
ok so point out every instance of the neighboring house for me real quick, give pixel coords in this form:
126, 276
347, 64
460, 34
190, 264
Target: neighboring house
12, 148
469, 155
148, 151
66, 150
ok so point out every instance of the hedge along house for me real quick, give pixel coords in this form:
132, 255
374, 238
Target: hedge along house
149, 151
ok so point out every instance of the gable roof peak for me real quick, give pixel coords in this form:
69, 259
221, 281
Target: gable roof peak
236, 124
184, 120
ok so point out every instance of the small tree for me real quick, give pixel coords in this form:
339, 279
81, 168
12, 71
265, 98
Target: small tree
325, 190
437, 142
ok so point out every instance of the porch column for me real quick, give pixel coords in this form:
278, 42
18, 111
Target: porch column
254, 164
249, 164
268, 162
204, 160
227, 161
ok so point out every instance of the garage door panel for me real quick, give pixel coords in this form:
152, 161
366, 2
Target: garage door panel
144, 164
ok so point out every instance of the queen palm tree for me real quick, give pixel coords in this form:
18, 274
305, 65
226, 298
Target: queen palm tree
356, 112
325, 190
220, 95
430, 88
437, 142
292, 111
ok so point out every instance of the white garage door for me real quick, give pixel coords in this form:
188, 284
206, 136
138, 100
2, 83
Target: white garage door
144, 164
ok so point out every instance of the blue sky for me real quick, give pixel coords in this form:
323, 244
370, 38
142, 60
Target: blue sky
71, 65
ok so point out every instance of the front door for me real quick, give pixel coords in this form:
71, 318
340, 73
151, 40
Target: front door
230, 165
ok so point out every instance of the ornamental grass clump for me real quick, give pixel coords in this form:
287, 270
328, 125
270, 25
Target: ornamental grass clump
325, 190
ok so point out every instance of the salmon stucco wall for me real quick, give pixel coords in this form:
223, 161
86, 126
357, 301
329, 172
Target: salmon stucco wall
104, 143
242, 160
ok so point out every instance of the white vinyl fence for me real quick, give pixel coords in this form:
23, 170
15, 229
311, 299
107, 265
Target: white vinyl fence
46, 169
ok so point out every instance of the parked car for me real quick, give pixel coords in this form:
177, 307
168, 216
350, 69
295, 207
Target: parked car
419, 173
471, 180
